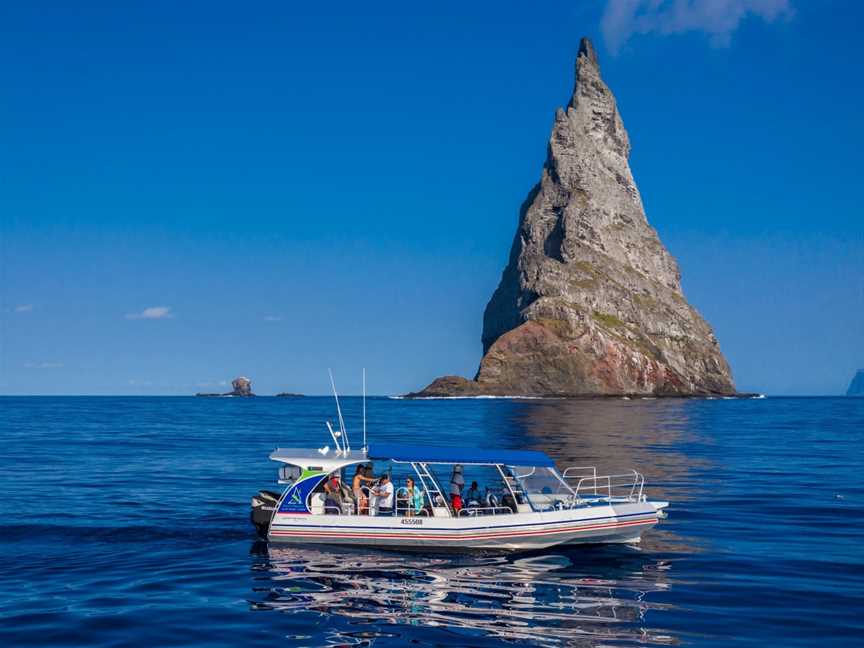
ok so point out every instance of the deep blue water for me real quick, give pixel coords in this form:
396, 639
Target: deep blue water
125, 522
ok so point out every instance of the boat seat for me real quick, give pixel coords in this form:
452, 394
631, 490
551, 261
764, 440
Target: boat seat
316, 503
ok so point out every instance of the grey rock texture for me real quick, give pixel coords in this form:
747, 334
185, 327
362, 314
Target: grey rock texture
590, 302
241, 386
856, 387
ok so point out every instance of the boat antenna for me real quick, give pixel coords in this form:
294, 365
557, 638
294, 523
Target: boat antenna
365, 447
346, 444
335, 440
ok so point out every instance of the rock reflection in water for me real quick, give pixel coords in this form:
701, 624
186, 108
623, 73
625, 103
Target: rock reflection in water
613, 435
587, 598
616, 435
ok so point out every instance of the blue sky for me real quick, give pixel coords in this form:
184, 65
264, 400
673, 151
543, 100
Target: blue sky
194, 192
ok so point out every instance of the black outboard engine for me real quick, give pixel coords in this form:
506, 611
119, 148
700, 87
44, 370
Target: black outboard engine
263, 505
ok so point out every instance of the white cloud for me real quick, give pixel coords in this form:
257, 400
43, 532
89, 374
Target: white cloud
43, 365
152, 313
23, 308
272, 318
717, 18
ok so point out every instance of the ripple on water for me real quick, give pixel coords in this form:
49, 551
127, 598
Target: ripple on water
544, 599
125, 521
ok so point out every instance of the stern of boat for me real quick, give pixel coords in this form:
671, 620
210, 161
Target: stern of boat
263, 506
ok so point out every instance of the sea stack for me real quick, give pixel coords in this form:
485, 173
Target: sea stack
241, 386
590, 302
856, 387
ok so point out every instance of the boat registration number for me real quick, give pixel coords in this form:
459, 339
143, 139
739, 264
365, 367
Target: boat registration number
412, 521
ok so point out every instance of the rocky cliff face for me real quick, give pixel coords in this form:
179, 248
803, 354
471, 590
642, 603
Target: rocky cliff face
856, 387
590, 301
241, 386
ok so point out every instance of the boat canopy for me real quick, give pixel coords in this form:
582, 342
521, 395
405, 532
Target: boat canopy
460, 455
308, 457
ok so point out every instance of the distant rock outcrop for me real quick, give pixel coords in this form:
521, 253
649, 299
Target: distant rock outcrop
856, 387
288, 395
590, 302
240, 386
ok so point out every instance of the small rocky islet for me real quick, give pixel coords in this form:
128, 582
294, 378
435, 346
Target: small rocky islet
242, 387
590, 302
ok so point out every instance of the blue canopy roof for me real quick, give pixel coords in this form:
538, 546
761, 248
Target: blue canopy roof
427, 454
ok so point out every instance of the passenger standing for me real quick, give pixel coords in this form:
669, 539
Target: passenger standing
360, 499
457, 481
384, 493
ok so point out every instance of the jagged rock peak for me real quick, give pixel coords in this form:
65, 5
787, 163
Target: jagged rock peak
590, 301
586, 49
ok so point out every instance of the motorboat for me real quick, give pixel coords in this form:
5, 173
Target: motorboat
420, 499
531, 505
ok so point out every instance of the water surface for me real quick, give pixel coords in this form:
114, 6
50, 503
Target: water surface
125, 521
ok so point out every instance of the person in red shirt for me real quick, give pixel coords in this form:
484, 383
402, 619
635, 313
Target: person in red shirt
333, 499
457, 482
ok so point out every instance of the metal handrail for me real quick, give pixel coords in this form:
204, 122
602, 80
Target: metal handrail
584, 469
632, 481
367, 493
495, 510
403, 497
591, 469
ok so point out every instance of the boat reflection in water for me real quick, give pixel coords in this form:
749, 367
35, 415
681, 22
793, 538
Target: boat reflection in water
587, 597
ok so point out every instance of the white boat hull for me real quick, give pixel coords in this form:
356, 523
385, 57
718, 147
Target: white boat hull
615, 523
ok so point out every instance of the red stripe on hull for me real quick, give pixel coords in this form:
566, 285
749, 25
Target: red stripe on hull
476, 536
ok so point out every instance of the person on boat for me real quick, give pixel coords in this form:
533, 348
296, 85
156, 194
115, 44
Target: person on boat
360, 499
457, 482
413, 497
384, 494
333, 498
473, 497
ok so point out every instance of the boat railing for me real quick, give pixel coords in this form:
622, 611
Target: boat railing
574, 473
485, 510
349, 510
404, 505
361, 507
627, 486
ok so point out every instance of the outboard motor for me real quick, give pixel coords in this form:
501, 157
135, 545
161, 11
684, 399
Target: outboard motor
263, 505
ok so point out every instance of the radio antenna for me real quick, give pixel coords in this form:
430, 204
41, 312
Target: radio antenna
346, 444
365, 447
335, 436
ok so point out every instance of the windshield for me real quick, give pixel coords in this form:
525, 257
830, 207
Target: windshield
542, 486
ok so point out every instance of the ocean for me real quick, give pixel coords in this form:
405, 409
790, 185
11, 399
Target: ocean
125, 522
